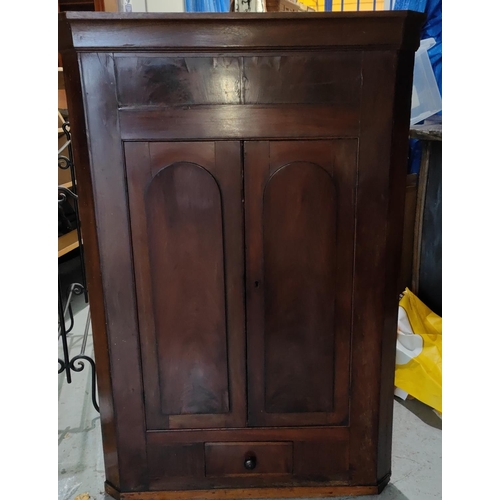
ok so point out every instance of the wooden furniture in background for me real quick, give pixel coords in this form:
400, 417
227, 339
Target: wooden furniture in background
64, 176
405, 276
69, 241
81, 5
111, 5
286, 6
427, 251
242, 184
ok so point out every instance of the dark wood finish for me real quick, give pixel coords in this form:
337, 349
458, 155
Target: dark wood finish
243, 459
299, 234
311, 433
296, 265
242, 194
86, 203
231, 122
171, 81
378, 246
186, 218
321, 459
333, 440
389, 30
291, 79
115, 262
302, 78
401, 88
176, 460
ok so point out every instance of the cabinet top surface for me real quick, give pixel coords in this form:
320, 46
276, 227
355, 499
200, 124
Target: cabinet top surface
233, 31
232, 16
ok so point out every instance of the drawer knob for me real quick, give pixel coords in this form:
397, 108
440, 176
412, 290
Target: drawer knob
250, 463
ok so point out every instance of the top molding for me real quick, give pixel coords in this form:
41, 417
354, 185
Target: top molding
229, 32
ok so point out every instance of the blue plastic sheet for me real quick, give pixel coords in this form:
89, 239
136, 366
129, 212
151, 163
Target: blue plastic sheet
207, 5
431, 29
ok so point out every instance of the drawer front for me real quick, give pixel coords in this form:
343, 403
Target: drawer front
207, 459
242, 459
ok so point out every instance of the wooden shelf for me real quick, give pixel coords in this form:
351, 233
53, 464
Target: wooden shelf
62, 103
81, 5
67, 242
63, 3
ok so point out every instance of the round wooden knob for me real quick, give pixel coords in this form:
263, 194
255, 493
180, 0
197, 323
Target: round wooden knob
250, 463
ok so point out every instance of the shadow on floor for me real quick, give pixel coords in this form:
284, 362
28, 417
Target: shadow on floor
391, 492
77, 430
422, 411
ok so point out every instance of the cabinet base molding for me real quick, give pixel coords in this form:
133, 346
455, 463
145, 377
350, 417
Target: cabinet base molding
256, 493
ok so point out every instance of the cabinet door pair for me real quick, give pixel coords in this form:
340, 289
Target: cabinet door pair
243, 258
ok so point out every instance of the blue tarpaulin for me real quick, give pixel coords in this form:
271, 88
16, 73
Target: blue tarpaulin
207, 5
431, 29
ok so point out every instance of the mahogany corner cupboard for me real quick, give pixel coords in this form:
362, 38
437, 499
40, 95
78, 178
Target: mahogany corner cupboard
242, 182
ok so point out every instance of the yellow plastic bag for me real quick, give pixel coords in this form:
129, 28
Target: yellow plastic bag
419, 351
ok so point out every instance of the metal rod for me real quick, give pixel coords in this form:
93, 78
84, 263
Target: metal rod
76, 363
77, 212
66, 144
67, 307
71, 320
62, 318
74, 289
85, 335
63, 162
65, 364
66, 191
80, 368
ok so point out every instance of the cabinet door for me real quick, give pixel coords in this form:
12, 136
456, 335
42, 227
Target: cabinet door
187, 237
299, 218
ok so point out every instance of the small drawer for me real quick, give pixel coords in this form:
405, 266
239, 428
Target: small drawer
241, 459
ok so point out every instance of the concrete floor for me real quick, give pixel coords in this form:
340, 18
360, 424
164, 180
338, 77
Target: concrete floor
416, 470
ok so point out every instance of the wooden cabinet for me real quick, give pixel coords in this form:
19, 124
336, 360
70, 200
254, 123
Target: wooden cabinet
242, 184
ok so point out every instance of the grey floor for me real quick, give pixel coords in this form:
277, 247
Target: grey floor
416, 469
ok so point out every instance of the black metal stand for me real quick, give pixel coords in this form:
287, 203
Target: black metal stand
75, 364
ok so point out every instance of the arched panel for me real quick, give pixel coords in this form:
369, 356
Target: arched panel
186, 253
299, 247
